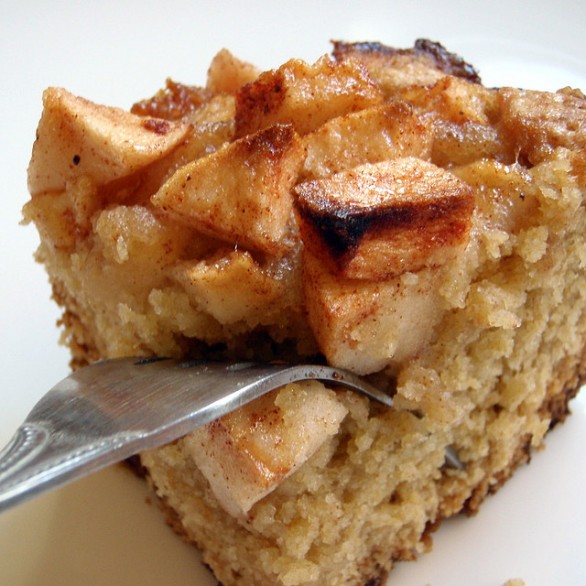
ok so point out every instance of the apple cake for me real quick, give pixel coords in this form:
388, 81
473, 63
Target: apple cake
379, 210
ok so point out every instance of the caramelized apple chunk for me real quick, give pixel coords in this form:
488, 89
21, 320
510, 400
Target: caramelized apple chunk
173, 102
304, 95
240, 193
422, 65
369, 136
227, 74
76, 137
462, 119
135, 233
539, 122
384, 219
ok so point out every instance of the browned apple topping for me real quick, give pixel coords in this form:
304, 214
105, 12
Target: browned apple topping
77, 138
305, 95
241, 193
379, 220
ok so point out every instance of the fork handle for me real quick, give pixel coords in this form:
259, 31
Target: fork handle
37, 459
29, 440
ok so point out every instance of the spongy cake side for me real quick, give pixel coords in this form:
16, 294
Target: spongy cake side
142, 267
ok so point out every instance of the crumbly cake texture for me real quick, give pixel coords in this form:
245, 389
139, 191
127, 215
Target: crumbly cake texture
379, 209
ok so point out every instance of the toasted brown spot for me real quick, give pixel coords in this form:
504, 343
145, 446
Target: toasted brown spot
343, 229
304, 95
259, 98
157, 125
442, 59
448, 62
173, 102
386, 218
271, 142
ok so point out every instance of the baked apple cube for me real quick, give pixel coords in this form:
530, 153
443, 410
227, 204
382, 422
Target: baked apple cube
210, 285
384, 219
76, 137
246, 454
304, 95
366, 326
227, 74
461, 115
242, 192
369, 136
138, 236
393, 69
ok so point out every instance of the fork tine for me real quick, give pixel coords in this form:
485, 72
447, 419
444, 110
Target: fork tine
111, 410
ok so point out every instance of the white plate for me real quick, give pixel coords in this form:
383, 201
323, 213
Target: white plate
101, 530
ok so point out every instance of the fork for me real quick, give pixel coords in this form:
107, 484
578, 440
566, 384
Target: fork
114, 409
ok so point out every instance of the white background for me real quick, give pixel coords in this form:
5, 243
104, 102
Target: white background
100, 531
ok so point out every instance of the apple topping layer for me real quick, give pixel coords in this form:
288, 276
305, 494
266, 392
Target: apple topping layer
379, 210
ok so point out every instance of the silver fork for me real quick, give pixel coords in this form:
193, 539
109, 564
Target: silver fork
114, 409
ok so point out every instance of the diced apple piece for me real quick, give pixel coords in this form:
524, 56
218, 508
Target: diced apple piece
384, 219
242, 192
304, 95
246, 454
64, 218
366, 326
212, 126
227, 74
369, 136
210, 285
77, 137
136, 234
461, 115
456, 101
423, 65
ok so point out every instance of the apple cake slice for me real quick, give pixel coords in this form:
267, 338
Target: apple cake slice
380, 210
